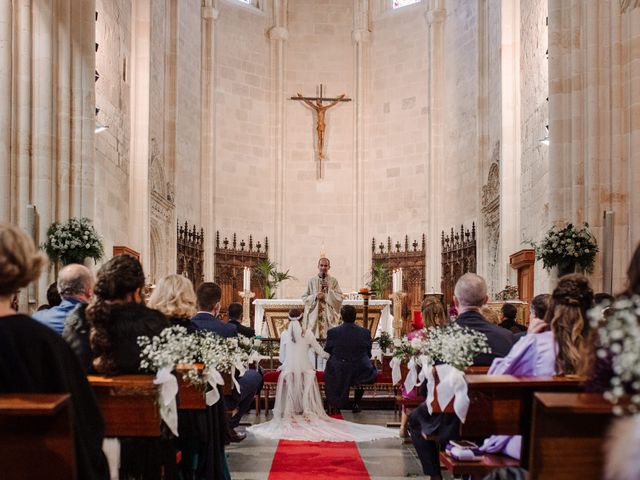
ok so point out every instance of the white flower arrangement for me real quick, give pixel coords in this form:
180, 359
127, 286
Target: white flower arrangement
451, 344
619, 338
73, 241
455, 345
172, 347
175, 346
567, 244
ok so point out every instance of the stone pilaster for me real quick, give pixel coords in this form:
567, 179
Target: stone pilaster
209, 15
435, 17
278, 35
360, 36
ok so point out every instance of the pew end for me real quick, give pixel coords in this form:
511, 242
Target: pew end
36, 436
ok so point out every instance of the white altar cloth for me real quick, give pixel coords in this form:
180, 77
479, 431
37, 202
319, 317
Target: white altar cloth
385, 324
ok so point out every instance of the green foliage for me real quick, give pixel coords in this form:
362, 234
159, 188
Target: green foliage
379, 278
385, 341
269, 277
73, 241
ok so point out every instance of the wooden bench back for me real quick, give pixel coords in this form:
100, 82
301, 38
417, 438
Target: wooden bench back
128, 404
567, 436
36, 437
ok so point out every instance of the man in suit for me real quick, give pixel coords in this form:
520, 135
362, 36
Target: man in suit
75, 285
208, 298
470, 294
235, 318
350, 363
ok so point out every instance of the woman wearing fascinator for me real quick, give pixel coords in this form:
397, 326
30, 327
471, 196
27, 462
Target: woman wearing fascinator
298, 413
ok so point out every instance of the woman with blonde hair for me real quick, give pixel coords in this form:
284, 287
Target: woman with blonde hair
174, 296
34, 359
202, 432
433, 314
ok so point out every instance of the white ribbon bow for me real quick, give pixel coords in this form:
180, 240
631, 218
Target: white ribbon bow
214, 379
412, 376
396, 374
426, 375
167, 393
452, 385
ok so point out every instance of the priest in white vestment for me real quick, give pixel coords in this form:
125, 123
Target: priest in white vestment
322, 301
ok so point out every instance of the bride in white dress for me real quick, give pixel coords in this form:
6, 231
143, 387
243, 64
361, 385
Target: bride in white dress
298, 413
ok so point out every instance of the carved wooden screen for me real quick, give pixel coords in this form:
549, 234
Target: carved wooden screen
190, 253
412, 261
458, 258
230, 260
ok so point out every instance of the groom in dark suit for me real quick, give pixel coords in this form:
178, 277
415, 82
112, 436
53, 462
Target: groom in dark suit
350, 363
470, 294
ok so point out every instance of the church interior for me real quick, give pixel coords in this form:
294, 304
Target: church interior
413, 143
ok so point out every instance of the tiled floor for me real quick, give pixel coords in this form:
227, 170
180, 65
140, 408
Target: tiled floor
386, 459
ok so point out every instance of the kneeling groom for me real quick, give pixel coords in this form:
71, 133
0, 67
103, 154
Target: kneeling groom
350, 363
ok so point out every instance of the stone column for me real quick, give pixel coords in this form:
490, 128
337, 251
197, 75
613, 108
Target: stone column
139, 213
435, 16
360, 36
510, 139
207, 143
82, 107
21, 133
6, 71
62, 95
278, 35
592, 126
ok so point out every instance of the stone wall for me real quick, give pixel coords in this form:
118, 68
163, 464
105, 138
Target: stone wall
113, 34
244, 192
397, 126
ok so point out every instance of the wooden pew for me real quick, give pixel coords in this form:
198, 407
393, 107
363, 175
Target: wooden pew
128, 404
501, 405
36, 437
567, 436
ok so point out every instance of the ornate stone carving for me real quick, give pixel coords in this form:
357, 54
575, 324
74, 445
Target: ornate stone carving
626, 5
491, 217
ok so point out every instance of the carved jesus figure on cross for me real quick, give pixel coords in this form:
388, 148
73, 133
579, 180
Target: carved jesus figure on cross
316, 104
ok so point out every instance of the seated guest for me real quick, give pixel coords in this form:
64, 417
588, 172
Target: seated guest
33, 359
207, 318
53, 296
509, 314
433, 314
538, 312
235, 318
202, 432
116, 318
75, 285
556, 351
350, 362
470, 293
208, 298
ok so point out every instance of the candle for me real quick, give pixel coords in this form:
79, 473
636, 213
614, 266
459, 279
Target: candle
394, 282
400, 280
246, 285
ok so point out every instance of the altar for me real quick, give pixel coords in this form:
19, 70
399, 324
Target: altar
271, 315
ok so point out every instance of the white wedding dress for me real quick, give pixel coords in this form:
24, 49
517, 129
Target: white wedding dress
298, 413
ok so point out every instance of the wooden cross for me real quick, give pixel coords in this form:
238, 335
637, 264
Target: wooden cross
316, 104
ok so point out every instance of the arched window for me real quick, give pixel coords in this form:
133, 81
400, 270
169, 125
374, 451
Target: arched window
404, 3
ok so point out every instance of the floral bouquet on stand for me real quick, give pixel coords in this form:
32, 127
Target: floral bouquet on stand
567, 248
73, 241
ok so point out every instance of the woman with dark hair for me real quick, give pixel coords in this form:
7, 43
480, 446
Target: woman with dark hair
34, 359
557, 351
116, 318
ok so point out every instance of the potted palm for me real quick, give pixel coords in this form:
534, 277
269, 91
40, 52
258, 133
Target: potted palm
269, 277
379, 278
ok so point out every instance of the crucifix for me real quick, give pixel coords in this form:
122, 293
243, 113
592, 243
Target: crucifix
316, 104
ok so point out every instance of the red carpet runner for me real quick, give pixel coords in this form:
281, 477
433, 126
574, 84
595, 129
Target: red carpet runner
295, 460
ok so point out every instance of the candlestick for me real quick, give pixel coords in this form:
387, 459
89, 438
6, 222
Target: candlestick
246, 284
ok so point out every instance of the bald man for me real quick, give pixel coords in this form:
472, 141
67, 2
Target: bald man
75, 285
